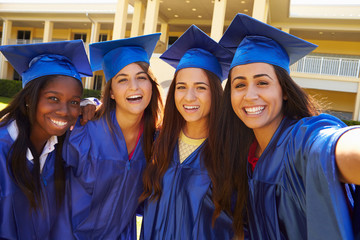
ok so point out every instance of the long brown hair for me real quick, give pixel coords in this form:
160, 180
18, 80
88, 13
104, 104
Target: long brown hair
152, 113
232, 142
23, 110
166, 142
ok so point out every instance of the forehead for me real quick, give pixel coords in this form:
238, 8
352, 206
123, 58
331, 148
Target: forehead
63, 84
192, 75
131, 68
252, 69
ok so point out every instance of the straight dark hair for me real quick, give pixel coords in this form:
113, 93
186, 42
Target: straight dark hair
232, 143
23, 110
165, 144
152, 113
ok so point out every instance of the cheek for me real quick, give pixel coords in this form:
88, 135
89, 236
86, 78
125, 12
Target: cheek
148, 88
234, 99
75, 111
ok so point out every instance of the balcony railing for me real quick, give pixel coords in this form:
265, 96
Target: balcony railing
348, 67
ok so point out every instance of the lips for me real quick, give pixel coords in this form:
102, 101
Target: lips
254, 110
134, 98
191, 107
59, 123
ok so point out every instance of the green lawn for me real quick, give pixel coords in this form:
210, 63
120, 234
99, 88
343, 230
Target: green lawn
4, 102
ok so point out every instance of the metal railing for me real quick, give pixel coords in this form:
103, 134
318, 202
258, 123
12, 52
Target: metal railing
348, 67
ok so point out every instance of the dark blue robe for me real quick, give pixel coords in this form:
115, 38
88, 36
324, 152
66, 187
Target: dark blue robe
294, 191
104, 185
16, 220
184, 210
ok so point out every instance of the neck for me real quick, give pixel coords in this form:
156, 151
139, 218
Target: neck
38, 143
263, 137
129, 123
196, 130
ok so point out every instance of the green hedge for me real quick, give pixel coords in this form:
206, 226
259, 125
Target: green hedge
92, 93
8, 88
351, 123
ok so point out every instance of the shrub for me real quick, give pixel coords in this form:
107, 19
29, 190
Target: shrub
8, 88
351, 123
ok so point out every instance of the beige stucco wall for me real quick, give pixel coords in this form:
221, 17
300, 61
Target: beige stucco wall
338, 101
337, 47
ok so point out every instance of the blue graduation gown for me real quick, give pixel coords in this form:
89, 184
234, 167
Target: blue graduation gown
104, 184
294, 191
16, 220
185, 208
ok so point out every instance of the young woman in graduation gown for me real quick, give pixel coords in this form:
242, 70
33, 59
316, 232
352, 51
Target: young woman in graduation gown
32, 128
107, 156
285, 163
178, 181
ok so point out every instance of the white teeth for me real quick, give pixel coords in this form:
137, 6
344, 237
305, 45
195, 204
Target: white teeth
134, 97
60, 123
191, 107
254, 110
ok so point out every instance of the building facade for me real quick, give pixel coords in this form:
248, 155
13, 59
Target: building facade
330, 74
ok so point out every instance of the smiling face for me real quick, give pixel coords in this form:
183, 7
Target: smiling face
193, 95
131, 89
58, 108
256, 96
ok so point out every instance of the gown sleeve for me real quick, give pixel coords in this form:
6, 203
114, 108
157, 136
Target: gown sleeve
76, 152
326, 205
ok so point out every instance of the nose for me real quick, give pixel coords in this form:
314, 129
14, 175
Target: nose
190, 94
251, 93
63, 109
133, 85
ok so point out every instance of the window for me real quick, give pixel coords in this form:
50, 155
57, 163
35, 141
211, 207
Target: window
98, 82
16, 76
23, 37
172, 40
81, 36
102, 37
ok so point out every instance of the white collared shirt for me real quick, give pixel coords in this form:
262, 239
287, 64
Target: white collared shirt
49, 146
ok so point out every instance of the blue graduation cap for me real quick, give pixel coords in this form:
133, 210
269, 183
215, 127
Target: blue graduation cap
196, 49
112, 56
254, 41
53, 58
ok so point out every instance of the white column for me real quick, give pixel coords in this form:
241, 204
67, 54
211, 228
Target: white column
356, 115
94, 37
6, 33
261, 10
95, 32
120, 19
217, 25
138, 18
152, 13
164, 34
48, 31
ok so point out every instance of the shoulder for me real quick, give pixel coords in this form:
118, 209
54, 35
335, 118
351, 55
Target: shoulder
323, 120
314, 125
90, 128
5, 138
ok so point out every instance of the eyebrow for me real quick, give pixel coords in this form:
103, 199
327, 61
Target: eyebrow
196, 83
58, 93
255, 76
123, 74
